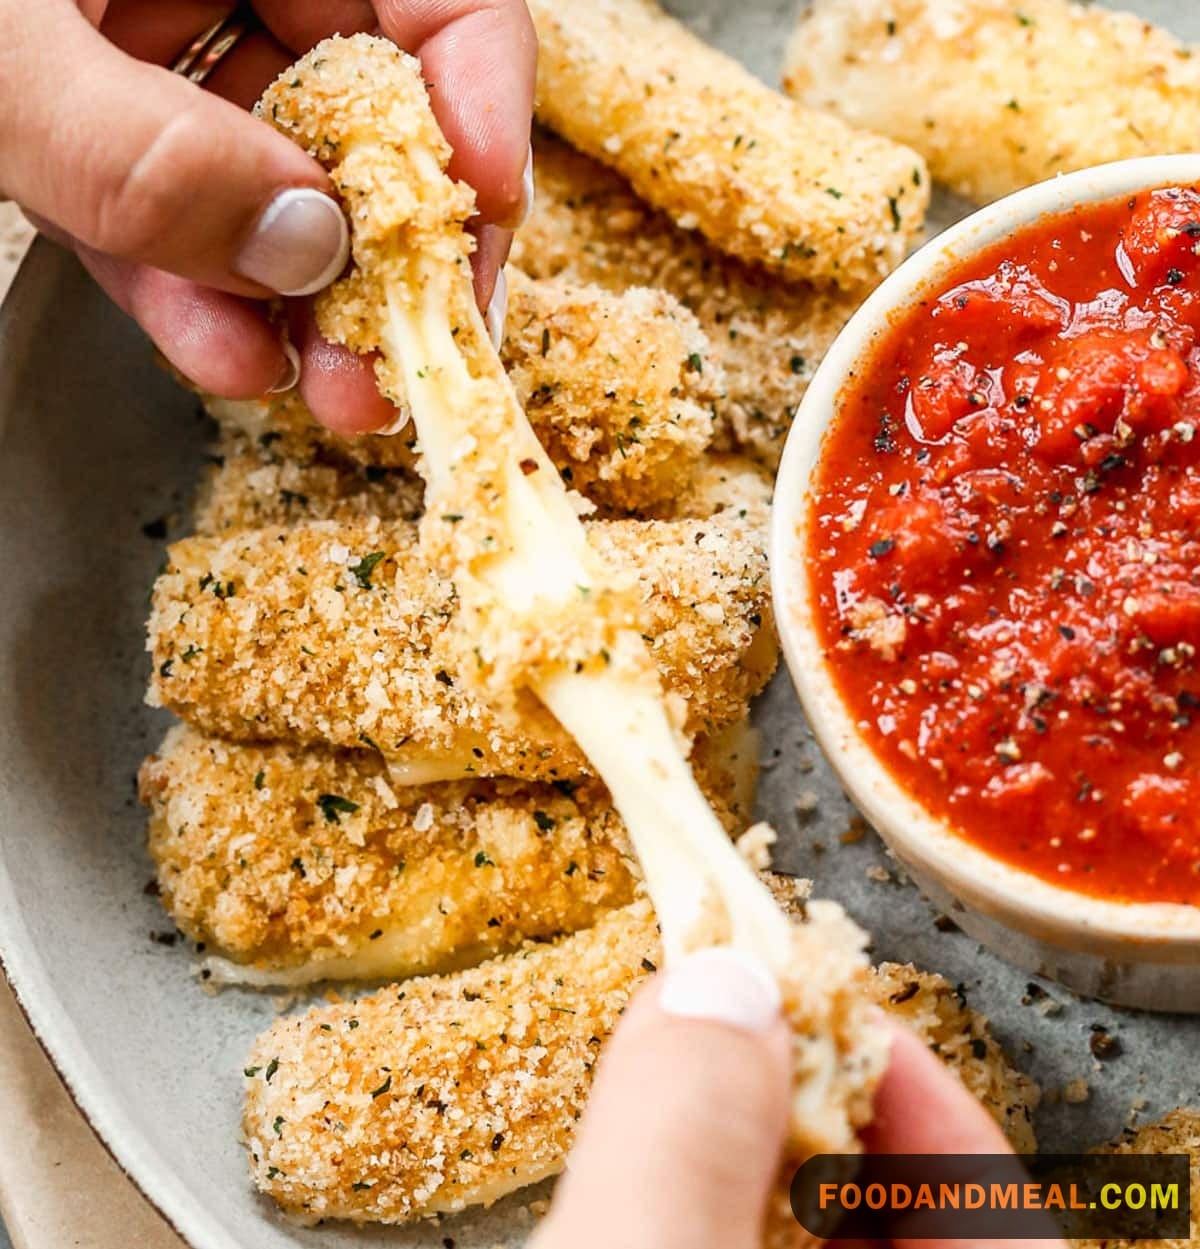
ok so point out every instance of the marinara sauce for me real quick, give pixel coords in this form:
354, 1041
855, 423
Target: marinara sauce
1005, 550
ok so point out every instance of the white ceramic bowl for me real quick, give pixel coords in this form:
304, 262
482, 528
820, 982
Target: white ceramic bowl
1142, 954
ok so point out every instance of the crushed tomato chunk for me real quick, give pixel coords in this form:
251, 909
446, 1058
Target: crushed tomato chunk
1013, 616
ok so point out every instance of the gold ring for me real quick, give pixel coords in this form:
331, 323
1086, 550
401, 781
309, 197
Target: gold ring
211, 46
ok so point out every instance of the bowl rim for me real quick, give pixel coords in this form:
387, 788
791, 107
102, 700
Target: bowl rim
1159, 931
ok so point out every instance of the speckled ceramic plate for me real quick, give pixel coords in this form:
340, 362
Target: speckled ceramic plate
96, 444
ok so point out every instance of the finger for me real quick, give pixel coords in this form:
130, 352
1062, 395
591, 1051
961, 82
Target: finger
922, 1108
220, 342
480, 57
338, 386
682, 1138
137, 163
301, 26
157, 32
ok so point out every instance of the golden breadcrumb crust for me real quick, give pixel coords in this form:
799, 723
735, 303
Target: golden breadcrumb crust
257, 484
620, 388
339, 633
767, 336
787, 188
274, 479
484, 1073
1177, 1133
998, 94
441, 1092
278, 855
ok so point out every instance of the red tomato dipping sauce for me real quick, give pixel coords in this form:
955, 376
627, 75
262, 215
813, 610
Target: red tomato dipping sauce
1004, 549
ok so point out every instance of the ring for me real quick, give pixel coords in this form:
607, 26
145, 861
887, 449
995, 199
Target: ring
211, 46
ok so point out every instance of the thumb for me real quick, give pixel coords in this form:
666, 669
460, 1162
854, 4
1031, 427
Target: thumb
137, 163
683, 1134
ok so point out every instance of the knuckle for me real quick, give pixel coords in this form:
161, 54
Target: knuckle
139, 205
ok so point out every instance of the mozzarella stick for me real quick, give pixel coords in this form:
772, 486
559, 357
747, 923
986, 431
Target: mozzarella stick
443, 1093
784, 187
620, 386
998, 94
253, 484
342, 634
296, 864
767, 336
544, 606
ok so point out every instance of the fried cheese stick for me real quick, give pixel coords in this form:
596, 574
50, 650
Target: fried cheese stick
787, 188
251, 486
448, 1092
767, 336
541, 606
258, 483
620, 388
343, 634
998, 94
294, 864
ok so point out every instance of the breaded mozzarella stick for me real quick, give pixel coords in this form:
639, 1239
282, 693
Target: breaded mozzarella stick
767, 336
998, 94
294, 864
443, 1093
257, 484
542, 603
342, 634
787, 188
620, 387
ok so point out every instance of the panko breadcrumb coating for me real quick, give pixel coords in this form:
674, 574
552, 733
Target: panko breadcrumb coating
998, 94
490, 1070
340, 634
259, 483
252, 485
787, 188
767, 336
442, 1092
620, 388
1177, 1133
293, 864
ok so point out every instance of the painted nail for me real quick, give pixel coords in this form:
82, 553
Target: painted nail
291, 371
497, 311
722, 985
300, 244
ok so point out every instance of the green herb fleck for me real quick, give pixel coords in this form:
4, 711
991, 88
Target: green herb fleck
366, 566
334, 806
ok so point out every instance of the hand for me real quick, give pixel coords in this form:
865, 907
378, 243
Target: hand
681, 1142
170, 194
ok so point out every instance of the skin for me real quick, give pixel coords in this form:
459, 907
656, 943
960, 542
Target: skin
156, 183
709, 1103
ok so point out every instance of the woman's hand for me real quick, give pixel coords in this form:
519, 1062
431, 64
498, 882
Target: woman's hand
190, 212
681, 1142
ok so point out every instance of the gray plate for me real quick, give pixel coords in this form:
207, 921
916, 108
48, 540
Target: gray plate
94, 443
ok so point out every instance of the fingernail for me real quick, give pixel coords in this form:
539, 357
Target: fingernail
403, 416
524, 207
291, 371
722, 985
497, 311
300, 244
